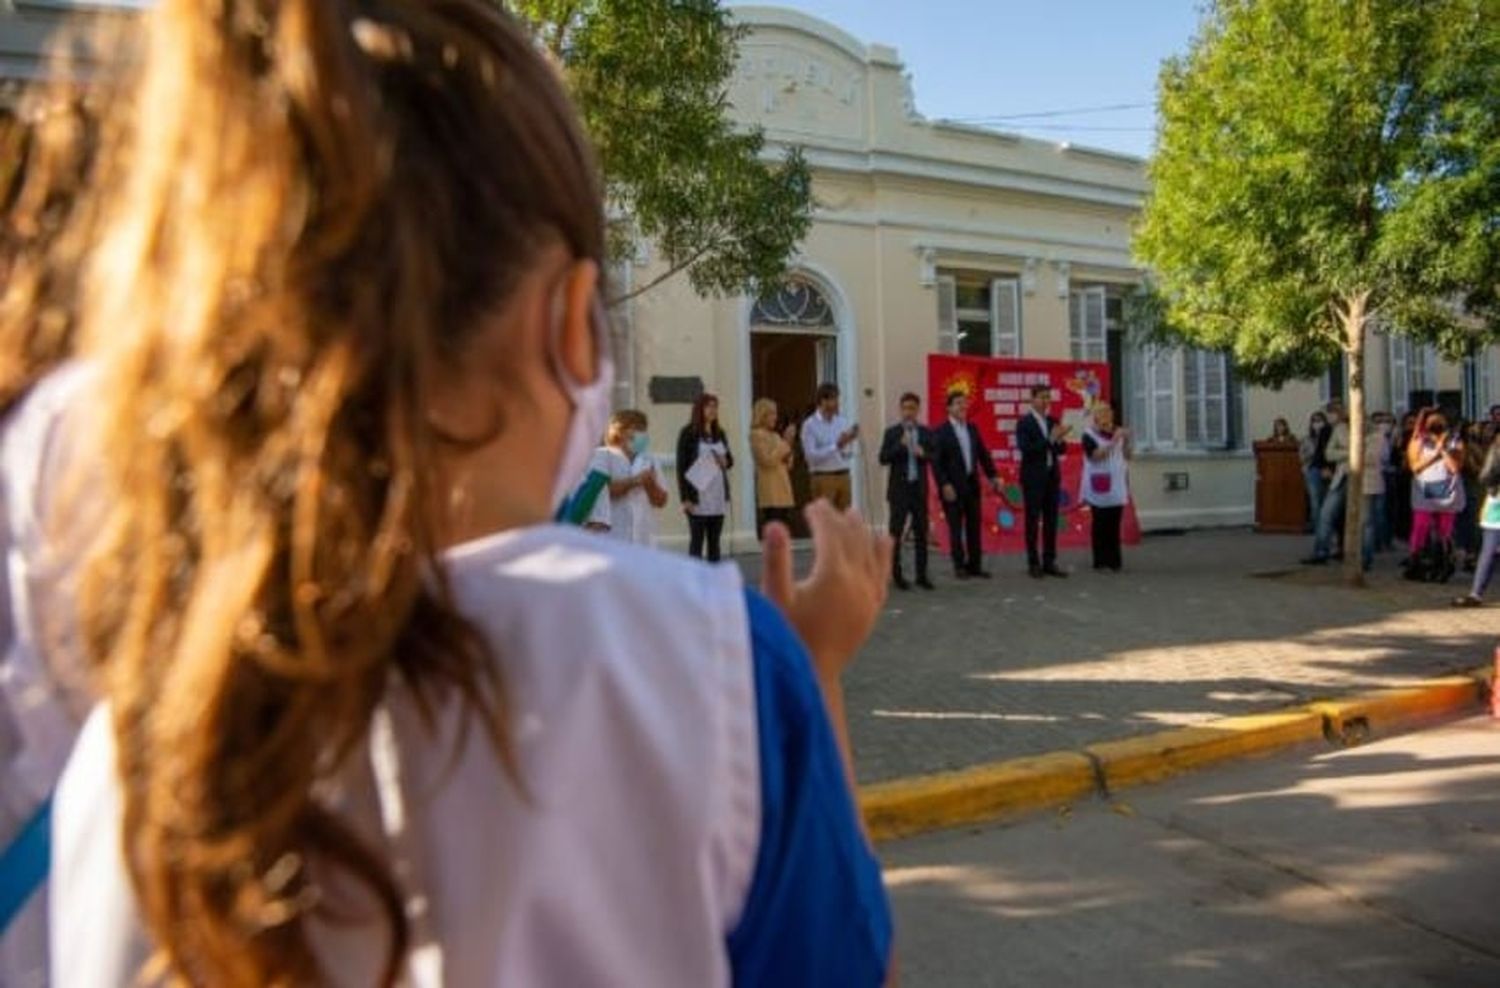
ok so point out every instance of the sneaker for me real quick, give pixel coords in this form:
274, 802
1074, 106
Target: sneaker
1468, 600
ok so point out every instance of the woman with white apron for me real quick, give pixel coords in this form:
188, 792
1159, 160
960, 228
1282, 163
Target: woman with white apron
1106, 485
368, 717
1437, 489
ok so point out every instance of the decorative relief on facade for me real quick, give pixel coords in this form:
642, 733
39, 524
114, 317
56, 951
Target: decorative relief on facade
797, 88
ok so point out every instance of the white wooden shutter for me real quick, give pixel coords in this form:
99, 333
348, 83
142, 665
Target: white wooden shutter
1138, 387
1095, 346
1086, 325
1192, 395
1005, 317
1075, 325
1164, 396
1427, 375
947, 296
1398, 358
1487, 395
1215, 400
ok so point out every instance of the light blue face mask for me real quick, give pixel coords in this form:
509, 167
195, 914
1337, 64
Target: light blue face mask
639, 443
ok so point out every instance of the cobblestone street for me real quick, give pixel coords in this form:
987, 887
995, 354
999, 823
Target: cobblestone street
1199, 626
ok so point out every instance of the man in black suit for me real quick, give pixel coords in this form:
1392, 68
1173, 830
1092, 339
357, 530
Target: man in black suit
961, 459
907, 450
1042, 442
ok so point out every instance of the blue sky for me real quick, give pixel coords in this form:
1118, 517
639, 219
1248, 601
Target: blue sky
977, 59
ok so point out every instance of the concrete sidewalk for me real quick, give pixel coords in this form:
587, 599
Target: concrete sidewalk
1373, 866
1199, 627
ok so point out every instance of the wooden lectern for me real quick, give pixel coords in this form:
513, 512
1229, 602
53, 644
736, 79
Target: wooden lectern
1280, 491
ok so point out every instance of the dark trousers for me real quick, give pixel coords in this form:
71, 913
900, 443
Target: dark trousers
1106, 532
768, 515
909, 505
964, 531
1041, 514
704, 529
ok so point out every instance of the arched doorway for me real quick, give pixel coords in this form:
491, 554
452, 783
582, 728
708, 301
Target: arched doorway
795, 345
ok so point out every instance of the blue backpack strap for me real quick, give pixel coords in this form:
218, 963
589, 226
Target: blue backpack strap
576, 509
24, 864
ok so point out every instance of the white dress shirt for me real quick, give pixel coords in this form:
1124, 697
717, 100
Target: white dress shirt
961, 427
1041, 423
820, 443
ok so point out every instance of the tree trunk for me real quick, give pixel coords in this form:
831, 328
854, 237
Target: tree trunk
1354, 316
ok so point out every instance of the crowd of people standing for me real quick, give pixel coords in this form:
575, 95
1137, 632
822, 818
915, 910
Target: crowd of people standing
951, 458
1430, 481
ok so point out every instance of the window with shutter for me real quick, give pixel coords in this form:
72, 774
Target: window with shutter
1005, 317
1205, 398
947, 295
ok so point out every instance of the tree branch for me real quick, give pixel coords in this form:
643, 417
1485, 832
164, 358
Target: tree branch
674, 269
560, 32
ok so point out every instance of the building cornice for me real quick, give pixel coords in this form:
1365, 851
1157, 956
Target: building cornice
922, 167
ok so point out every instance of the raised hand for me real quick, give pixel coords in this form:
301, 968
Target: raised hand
835, 607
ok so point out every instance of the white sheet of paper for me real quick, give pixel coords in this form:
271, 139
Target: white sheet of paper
702, 473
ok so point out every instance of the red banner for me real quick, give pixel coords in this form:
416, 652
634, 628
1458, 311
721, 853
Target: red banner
999, 391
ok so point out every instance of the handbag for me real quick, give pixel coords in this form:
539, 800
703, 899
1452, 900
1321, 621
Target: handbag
1439, 490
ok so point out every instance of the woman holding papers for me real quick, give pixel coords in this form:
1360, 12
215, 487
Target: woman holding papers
703, 464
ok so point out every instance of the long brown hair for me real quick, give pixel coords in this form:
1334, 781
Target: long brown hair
309, 206
47, 151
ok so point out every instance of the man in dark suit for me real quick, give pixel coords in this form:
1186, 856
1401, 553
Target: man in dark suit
1042, 442
960, 461
907, 450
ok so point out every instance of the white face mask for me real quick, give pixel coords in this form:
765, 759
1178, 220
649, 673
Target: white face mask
590, 408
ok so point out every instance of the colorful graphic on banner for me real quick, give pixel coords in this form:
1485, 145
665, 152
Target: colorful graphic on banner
999, 391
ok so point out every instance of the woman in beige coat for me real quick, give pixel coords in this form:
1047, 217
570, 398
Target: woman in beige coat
773, 465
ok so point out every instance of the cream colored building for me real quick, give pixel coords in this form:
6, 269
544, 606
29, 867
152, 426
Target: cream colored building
931, 237
928, 237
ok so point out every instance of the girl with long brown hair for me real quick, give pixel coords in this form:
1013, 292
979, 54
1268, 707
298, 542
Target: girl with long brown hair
368, 717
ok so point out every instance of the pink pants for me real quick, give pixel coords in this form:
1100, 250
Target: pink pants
1421, 525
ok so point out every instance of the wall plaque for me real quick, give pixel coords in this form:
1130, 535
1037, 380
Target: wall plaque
675, 390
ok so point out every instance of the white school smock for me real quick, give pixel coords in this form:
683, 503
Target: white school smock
1113, 471
646, 855
39, 716
630, 518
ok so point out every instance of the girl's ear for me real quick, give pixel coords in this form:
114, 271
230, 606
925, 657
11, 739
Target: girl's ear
577, 308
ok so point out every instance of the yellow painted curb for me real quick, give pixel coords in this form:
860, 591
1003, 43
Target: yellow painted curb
905, 807
1356, 717
1136, 761
986, 792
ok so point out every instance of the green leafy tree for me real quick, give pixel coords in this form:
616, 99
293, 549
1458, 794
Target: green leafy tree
1321, 164
650, 77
